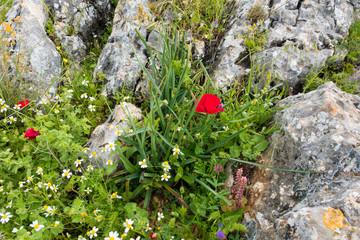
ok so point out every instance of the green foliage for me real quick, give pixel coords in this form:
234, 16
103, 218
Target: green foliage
256, 38
5, 5
206, 18
49, 26
192, 193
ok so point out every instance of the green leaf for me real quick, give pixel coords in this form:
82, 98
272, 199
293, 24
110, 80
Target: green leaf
111, 168
187, 179
210, 189
215, 146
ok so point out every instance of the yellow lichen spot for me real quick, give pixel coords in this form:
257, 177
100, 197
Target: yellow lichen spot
333, 219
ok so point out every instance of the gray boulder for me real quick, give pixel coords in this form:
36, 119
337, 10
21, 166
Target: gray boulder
116, 125
118, 60
31, 43
320, 131
301, 38
78, 22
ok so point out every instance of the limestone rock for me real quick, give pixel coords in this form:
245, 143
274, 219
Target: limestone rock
301, 38
78, 22
318, 132
32, 42
116, 125
118, 60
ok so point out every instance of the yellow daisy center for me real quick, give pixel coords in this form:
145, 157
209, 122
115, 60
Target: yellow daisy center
112, 238
36, 226
166, 163
66, 174
4, 217
165, 176
128, 226
92, 232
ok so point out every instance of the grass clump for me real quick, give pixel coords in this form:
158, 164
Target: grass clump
256, 14
205, 19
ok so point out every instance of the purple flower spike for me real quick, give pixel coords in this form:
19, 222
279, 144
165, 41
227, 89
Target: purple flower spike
220, 235
216, 23
219, 168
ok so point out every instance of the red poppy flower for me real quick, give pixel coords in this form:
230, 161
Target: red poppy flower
209, 104
153, 236
23, 103
31, 134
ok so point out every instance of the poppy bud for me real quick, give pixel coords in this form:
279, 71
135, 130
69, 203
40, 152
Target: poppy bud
153, 236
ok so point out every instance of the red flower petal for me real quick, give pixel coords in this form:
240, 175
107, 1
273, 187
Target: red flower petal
153, 236
23, 103
31, 134
208, 104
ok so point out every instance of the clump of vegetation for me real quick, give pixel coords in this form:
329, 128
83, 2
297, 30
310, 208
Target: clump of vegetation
342, 68
5, 5
256, 14
255, 39
205, 19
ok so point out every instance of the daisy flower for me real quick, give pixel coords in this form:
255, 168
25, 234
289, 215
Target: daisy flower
56, 111
4, 218
15, 230
9, 205
104, 149
2, 101
160, 216
82, 178
48, 185
40, 171
109, 162
104, 94
1, 188
99, 218
143, 164
85, 83
78, 162
123, 104
96, 211
90, 167
30, 179
147, 228
128, 224
113, 236
167, 168
179, 129
78, 169
165, 177
67, 173
3, 108
114, 195
93, 155
88, 190
177, 151
92, 108
54, 187
84, 95
225, 128
42, 102
93, 232
11, 119
126, 98
39, 184
111, 145
56, 223
85, 149
92, 99
17, 106
36, 226
21, 184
